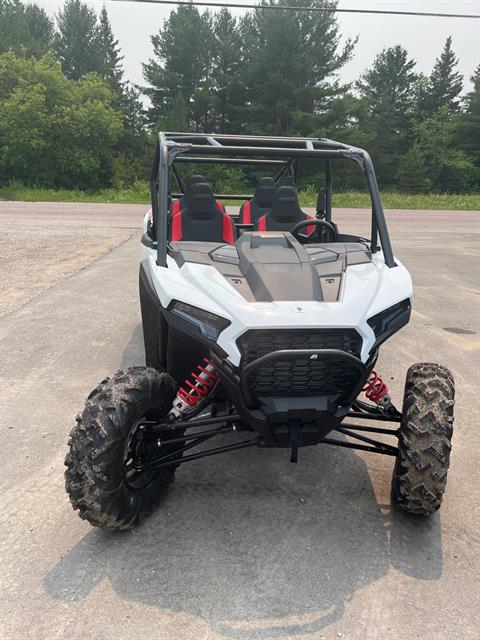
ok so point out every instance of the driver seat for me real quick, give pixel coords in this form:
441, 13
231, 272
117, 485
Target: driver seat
202, 220
284, 214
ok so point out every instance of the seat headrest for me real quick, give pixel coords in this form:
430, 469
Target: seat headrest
201, 203
285, 206
265, 192
196, 179
191, 188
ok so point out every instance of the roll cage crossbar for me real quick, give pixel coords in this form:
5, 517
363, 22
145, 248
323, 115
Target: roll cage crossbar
285, 153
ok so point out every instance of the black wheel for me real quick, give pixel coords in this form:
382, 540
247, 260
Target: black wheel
420, 472
106, 478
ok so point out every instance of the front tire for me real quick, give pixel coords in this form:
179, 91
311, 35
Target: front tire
420, 473
97, 477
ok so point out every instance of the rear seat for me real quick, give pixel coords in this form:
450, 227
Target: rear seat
179, 204
261, 202
202, 220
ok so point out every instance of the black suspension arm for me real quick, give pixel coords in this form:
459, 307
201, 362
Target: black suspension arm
374, 416
201, 434
358, 427
159, 428
360, 447
204, 454
375, 443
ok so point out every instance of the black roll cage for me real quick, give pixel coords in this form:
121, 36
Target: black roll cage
285, 153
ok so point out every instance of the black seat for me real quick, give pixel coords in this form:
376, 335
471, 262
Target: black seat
261, 202
202, 219
182, 202
284, 213
193, 181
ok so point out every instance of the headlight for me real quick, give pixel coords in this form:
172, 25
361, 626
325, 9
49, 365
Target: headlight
210, 325
389, 321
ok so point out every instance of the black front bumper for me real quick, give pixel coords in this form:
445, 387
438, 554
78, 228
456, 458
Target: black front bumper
276, 416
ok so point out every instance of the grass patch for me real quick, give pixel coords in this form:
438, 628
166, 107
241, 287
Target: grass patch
395, 200
138, 193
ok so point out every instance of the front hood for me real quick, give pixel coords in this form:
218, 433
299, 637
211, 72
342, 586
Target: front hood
365, 290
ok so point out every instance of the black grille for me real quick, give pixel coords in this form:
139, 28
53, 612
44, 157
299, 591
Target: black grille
302, 376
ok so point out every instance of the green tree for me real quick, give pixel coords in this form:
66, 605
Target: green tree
24, 29
130, 151
182, 65
445, 83
88, 135
40, 27
76, 41
175, 119
411, 172
109, 53
388, 93
55, 131
227, 65
290, 64
468, 131
447, 168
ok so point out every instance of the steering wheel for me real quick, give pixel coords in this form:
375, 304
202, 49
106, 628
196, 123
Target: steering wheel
315, 236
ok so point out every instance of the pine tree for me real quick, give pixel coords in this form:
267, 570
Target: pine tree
131, 144
387, 86
76, 40
183, 52
291, 61
25, 30
110, 56
411, 172
175, 119
40, 28
227, 82
388, 93
445, 83
468, 136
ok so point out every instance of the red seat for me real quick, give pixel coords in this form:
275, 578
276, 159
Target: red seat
202, 220
177, 205
284, 213
261, 202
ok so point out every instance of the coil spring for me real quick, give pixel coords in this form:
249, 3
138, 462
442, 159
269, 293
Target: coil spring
375, 388
203, 384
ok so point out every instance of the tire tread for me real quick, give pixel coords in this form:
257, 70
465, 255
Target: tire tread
420, 472
91, 476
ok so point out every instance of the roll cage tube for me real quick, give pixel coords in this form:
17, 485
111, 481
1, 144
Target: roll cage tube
264, 150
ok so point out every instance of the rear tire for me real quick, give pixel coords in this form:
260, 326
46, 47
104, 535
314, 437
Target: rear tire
96, 479
420, 472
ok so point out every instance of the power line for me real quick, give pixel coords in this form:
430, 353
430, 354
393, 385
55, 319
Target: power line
270, 7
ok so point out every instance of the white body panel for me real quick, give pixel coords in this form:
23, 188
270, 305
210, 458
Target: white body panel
366, 290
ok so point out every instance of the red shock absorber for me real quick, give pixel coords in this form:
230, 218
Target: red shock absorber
203, 383
376, 390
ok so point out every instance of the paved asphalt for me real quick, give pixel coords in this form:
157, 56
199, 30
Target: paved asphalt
246, 546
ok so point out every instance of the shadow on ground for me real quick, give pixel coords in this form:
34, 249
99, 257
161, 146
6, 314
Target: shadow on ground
253, 544
256, 546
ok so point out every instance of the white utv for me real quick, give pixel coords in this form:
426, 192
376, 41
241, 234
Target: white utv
268, 323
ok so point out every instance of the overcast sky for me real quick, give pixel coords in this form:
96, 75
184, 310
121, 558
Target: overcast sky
424, 37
